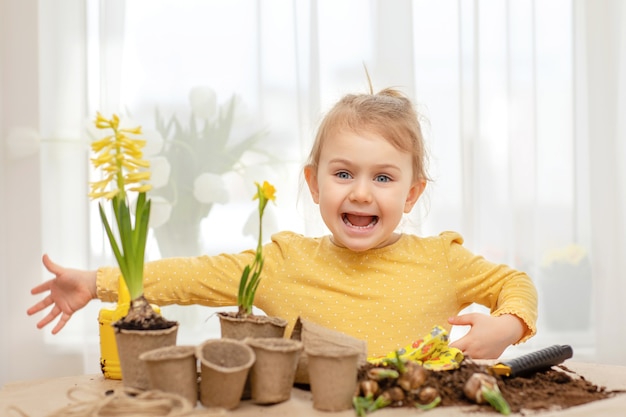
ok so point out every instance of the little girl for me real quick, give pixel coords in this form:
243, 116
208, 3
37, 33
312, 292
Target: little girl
366, 169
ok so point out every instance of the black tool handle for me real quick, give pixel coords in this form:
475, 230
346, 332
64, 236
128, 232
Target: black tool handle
539, 360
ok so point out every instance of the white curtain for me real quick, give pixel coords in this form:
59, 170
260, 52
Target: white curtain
603, 130
520, 99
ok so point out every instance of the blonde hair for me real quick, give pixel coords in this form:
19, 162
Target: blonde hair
387, 113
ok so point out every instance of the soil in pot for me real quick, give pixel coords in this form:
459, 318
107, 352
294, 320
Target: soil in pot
142, 316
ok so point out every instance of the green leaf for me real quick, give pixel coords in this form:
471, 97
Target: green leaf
134, 282
365, 405
256, 278
241, 294
142, 217
434, 403
497, 401
114, 246
396, 361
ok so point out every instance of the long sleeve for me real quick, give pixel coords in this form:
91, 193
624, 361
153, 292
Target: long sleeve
205, 280
500, 288
387, 296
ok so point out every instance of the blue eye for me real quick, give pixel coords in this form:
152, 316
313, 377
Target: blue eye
382, 178
343, 175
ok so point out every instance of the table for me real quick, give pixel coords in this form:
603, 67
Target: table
40, 398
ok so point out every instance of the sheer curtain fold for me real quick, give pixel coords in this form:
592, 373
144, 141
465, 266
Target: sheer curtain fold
110, 18
604, 25
23, 352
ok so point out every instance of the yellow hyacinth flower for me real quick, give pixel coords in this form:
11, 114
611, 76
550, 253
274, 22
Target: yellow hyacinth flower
120, 157
101, 122
134, 177
141, 188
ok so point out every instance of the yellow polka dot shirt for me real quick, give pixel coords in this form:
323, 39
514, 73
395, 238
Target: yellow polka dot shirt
387, 296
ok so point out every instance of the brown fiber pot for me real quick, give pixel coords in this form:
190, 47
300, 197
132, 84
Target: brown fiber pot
314, 336
239, 328
131, 344
224, 367
272, 375
173, 369
333, 377
233, 327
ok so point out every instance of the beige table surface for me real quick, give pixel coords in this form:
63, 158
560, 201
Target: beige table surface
39, 398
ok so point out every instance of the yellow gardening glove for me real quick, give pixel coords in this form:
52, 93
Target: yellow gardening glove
431, 351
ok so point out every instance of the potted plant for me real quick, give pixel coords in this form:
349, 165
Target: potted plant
119, 158
243, 323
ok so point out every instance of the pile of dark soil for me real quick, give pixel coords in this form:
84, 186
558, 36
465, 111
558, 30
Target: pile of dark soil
553, 389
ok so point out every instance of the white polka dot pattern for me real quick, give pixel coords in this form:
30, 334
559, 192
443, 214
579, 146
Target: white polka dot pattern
387, 297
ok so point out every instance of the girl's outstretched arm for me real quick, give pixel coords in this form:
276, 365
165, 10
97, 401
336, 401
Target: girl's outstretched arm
69, 291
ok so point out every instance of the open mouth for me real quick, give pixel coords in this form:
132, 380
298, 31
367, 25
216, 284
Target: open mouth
355, 220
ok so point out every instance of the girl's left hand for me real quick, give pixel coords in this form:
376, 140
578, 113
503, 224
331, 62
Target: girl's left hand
488, 336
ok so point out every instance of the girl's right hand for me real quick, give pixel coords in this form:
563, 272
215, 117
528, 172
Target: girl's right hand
69, 291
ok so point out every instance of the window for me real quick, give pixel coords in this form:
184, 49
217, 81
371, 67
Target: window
498, 83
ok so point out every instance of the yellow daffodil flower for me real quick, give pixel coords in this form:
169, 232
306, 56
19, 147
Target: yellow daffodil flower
251, 275
265, 193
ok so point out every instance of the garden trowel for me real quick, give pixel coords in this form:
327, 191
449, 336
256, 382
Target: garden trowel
532, 362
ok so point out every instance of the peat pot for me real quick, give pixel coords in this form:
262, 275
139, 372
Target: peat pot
131, 344
274, 370
224, 367
333, 377
233, 327
173, 369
